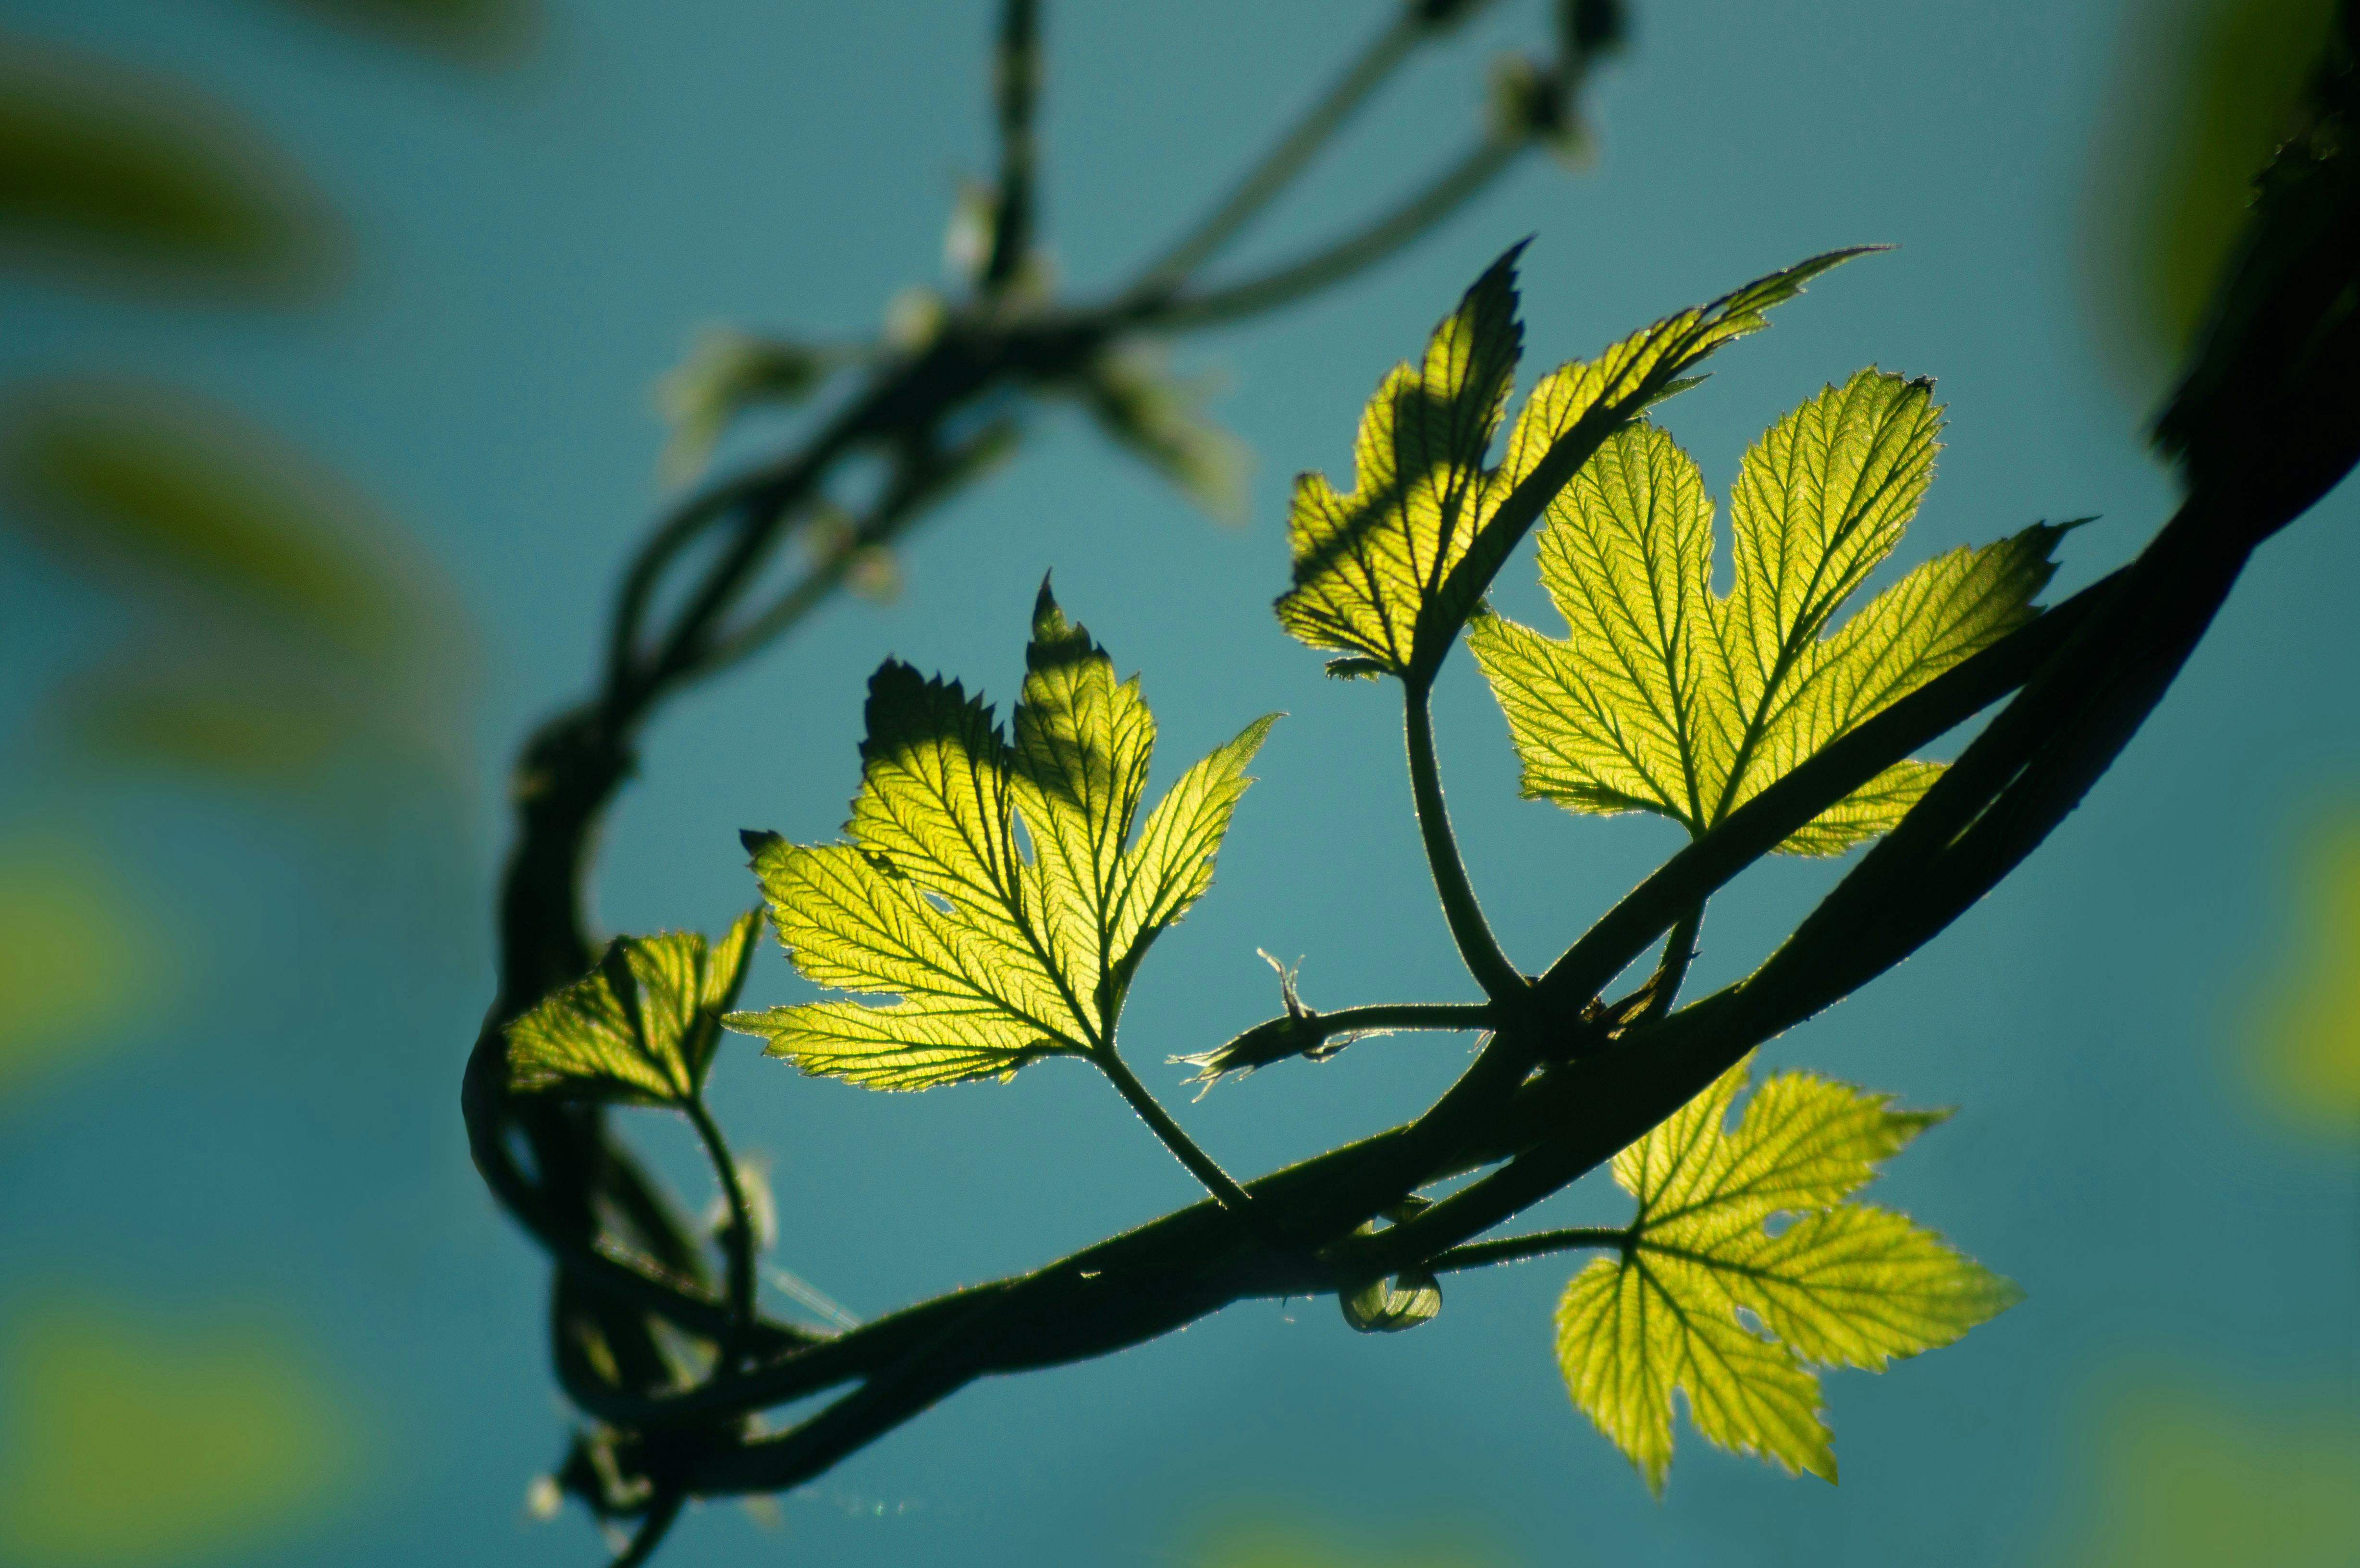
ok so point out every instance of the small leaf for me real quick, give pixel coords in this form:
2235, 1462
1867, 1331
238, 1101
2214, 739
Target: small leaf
1389, 573
1142, 406
727, 373
641, 1027
1670, 697
1389, 1306
115, 178
1845, 1284
997, 958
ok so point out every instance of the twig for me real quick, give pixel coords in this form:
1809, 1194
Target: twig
1501, 980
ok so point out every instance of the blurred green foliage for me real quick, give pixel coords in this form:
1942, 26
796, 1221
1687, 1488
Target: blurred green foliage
2308, 1060
474, 32
64, 931
122, 178
282, 621
2194, 1479
130, 1444
2213, 86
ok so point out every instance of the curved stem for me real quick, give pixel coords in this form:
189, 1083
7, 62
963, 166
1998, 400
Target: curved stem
1279, 167
1680, 951
1476, 1255
1501, 980
740, 1242
652, 1529
1450, 190
1183, 1148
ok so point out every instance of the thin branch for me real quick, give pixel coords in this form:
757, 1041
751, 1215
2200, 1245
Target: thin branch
1501, 980
740, 1240
1016, 71
1183, 1148
1279, 167
653, 1528
1331, 265
1305, 1032
1507, 1250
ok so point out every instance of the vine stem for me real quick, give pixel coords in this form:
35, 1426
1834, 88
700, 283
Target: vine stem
1283, 162
740, 1242
1448, 191
1501, 980
1218, 1182
1508, 1249
652, 1529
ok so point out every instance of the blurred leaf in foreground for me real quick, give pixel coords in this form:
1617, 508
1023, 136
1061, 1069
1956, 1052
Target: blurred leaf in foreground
2189, 1479
2210, 88
473, 32
131, 1446
115, 177
281, 623
2309, 1062
77, 962
1281, 1540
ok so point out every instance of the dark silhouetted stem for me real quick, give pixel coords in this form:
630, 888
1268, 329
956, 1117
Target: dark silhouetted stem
1501, 980
1183, 1148
740, 1241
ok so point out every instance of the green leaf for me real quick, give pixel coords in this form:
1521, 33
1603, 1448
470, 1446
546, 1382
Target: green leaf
1160, 417
998, 957
1388, 573
641, 1027
115, 178
1671, 698
1845, 1284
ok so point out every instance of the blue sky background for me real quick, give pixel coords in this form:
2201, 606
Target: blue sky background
281, 1145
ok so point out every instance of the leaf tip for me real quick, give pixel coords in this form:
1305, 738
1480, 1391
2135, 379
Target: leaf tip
756, 840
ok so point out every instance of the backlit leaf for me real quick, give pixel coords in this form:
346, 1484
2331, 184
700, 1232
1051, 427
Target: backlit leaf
1386, 574
641, 1027
1845, 1284
996, 956
1670, 697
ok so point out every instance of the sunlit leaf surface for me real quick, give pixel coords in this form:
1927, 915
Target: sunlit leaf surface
1708, 1303
111, 176
998, 956
641, 1027
132, 1446
1386, 574
1670, 697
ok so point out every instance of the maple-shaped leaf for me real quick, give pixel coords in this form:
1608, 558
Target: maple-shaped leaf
639, 1029
996, 956
1706, 1300
1671, 698
1387, 575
